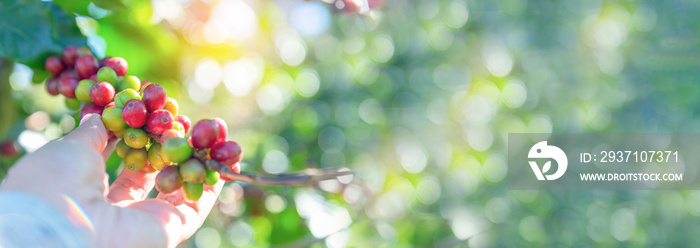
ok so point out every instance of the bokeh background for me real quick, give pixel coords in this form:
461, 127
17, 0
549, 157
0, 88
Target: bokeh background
417, 97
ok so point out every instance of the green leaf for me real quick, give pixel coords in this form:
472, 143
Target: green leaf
30, 31
109, 4
74, 6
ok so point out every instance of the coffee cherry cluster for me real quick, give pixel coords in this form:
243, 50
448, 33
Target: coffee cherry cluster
153, 136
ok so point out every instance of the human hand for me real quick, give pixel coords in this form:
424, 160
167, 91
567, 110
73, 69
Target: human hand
69, 174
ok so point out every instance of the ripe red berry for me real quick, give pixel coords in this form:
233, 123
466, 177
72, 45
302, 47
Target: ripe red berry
144, 83
10, 149
117, 64
168, 180
94, 77
70, 55
110, 104
204, 134
67, 87
159, 121
171, 133
104, 60
223, 129
134, 113
185, 121
54, 65
90, 109
86, 66
227, 152
102, 93
69, 72
154, 97
52, 86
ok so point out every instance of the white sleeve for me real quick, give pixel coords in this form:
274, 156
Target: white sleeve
27, 221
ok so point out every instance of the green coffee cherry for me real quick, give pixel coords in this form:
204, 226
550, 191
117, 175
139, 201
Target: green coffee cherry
82, 92
106, 74
112, 119
136, 138
155, 157
176, 150
212, 177
122, 148
122, 97
72, 103
130, 82
135, 159
193, 171
193, 191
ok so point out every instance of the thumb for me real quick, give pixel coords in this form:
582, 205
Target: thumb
90, 132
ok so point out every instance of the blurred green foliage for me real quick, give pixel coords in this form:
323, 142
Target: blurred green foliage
417, 98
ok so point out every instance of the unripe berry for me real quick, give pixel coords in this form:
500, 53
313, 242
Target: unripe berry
155, 157
211, 178
176, 150
171, 105
136, 138
179, 127
112, 119
227, 152
154, 97
117, 64
134, 113
86, 66
102, 93
67, 87
135, 159
119, 133
122, 148
204, 134
193, 191
193, 171
159, 121
54, 65
73, 104
82, 92
106, 74
122, 97
130, 82
168, 180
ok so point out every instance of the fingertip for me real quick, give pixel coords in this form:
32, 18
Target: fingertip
91, 131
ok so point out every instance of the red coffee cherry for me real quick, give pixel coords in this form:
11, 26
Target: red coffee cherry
159, 121
102, 93
154, 97
54, 65
117, 64
204, 134
227, 152
135, 113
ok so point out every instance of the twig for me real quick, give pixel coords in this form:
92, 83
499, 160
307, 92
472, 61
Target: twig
303, 178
